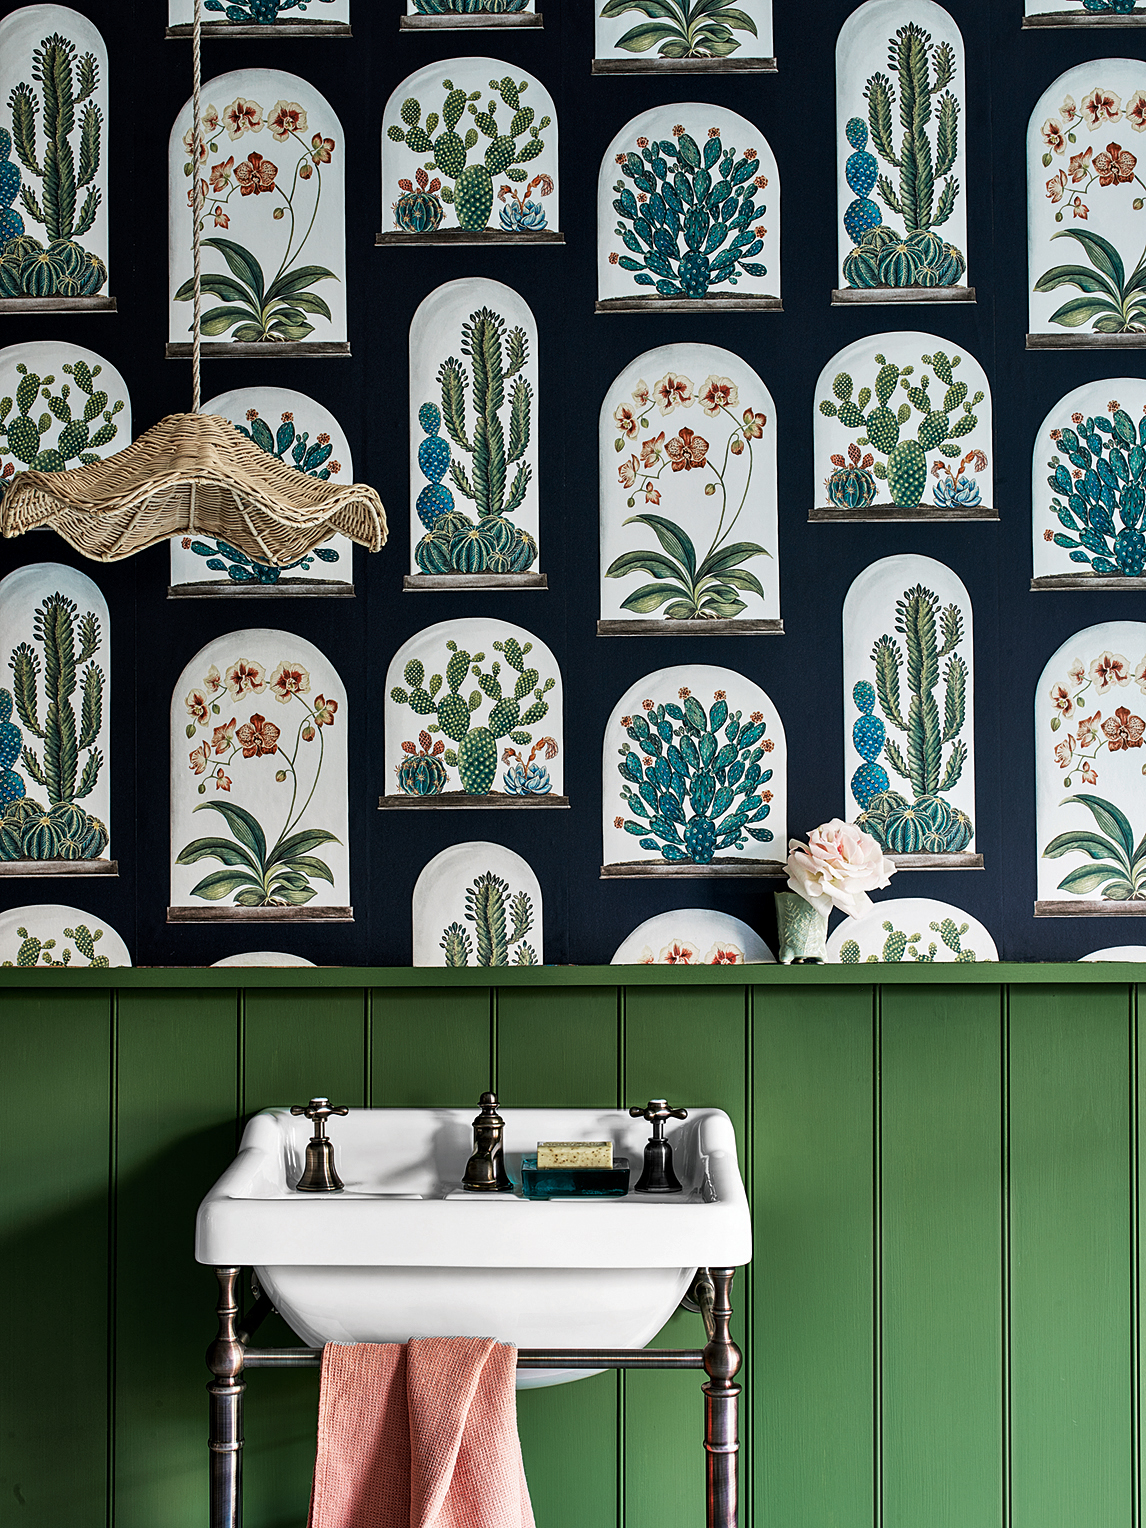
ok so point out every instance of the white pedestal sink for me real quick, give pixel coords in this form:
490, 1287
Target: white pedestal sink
404, 1252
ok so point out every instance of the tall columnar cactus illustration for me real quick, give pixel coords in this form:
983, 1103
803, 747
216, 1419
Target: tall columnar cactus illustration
62, 829
705, 197
904, 464
1108, 458
487, 902
475, 757
929, 824
454, 542
471, 191
23, 434
679, 760
64, 268
926, 155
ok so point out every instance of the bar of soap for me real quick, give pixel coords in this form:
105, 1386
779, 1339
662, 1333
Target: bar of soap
574, 1154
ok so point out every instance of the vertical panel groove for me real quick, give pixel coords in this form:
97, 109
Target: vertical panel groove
493, 1058
622, 1089
877, 1252
747, 1294
1005, 1262
112, 1263
368, 1046
620, 1448
240, 1063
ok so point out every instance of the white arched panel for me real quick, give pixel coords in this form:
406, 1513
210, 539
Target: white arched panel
911, 929
693, 936
49, 934
477, 904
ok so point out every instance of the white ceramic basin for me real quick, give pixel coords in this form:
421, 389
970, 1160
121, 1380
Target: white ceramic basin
404, 1252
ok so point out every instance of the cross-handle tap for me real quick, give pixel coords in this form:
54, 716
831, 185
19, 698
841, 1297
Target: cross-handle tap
658, 1176
319, 1176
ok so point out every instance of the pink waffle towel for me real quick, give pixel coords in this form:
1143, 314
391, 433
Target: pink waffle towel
419, 1435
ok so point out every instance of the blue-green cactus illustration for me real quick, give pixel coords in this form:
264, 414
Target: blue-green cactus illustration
693, 792
707, 198
1117, 7
929, 824
926, 155
487, 903
492, 543
471, 191
12, 786
904, 464
475, 757
32, 949
62, 829
23, 433
1100, 499
64, 268
11, 223
258, 12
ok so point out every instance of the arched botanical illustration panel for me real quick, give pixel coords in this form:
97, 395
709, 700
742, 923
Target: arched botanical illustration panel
61, 406
1132, 952
903, 431
684, 37
469, 156
465, 699
53, 162
50, 934
474, 519
262, 19
1086, 228
1090, 797
911, 929
902, 177
301, 434
55, 738
274, 223
1084, 13
470, 15
1088, 493
693, 936
258, 743
694, 512
263, 958
477, 904
909, 712
688, 215
694, 777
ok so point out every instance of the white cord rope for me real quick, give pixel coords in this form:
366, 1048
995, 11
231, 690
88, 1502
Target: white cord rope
196, 202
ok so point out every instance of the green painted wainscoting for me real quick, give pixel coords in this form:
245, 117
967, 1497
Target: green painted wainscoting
941, 1324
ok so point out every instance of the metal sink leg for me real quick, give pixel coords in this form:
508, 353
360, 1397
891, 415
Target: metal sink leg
722, 1361
225, 1359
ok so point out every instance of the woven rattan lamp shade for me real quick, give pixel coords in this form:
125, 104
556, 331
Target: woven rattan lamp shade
192, 474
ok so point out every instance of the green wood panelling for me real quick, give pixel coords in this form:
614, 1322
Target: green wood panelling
175, 1131
1071, 1435
54, 1266
691, 1056
560, 1049
940, 1318
974, 1127
813, 1435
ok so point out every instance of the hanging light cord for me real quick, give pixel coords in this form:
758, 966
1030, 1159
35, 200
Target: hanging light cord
196, 202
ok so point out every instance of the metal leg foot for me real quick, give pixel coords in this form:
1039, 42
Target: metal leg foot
225, 1437
722, 1361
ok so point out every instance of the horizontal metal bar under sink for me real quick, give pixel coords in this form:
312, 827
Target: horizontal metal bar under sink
527, 1358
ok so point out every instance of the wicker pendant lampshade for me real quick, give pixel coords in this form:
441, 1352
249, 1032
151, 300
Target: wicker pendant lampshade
193, 474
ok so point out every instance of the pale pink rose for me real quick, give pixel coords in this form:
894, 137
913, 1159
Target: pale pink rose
837, 867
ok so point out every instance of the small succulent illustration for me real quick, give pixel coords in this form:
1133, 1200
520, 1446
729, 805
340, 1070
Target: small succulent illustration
692, 778
898, 944
488, 902
928, 824
705, 197
524, 777
467, 184
498, 472
421, 772
33, 951
1099, 499
26, 437
475, 756
901, 459
885, 256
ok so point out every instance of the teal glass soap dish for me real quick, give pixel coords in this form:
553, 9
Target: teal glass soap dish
574, 1182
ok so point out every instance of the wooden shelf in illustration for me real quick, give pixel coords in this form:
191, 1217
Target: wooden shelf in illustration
58, 867
481, 21
927, 513
1084, 19
715, 869
677, 66
715, 302
459, 801
683, 37
1080, 581
848, 297
239, 31
1086, 341
286, 588
326, 914
457, 238
241, 350
1053, 909
461, 583
61, 305
733, 628
937, 861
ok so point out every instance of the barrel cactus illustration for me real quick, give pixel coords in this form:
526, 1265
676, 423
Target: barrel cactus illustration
1100, 498
419, 208
901, 459
693, 778
475, 757
851, 485
496, 446
703, 196
62, 829
927, 824
924, 157
25, 435
468, 184
62, 267
421, 772
488, 903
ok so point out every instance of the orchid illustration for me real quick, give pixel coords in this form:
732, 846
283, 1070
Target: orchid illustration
683, 28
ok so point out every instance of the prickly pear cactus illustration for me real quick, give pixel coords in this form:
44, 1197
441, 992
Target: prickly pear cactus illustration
1100, 498
26, 436
869, 736
34, 952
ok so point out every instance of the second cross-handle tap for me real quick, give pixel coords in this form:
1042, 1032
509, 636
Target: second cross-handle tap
319, 1176
658, 1176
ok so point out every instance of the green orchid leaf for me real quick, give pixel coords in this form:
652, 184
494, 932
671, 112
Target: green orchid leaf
716, 45
245, 827
1111, 819
250, 334
295, 280
220, 884
675, 541
724, 608
286, 331
1079, 309
682, 610
640, 39
219, 320
241, 262
295, 898
1082, 841
309, 865
741, 20
1101, 253
222, 849
1088, 878
309, 302
300, 843
1078, 276
728, 556
650, 597
1119, 891
645, 562
218, 286
739, 578
657, 8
